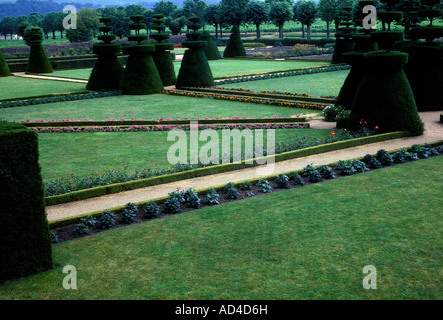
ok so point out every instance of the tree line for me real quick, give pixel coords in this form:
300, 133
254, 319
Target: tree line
221, 15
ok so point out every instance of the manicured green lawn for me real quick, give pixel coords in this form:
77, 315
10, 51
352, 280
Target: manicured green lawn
149, 107
86, 153
307, 243
219, 68
19, 87
319, 84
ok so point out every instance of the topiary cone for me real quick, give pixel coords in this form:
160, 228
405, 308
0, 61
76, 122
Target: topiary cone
38, 60
211, 49
4, 68
234, 47
384, 97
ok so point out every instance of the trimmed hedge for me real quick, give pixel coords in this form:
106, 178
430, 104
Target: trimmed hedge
293, 41
4, 68
25, 239
119, 187
234, 47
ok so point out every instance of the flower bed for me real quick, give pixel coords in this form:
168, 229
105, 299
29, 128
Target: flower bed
281, 103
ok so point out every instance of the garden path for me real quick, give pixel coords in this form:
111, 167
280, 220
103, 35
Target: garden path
433, 132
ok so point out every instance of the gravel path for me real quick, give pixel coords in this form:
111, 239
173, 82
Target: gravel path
433, 132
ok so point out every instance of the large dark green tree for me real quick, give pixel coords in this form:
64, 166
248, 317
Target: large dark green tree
279, 13
165, 8
234, 11
328, 11
306, 13
257, 13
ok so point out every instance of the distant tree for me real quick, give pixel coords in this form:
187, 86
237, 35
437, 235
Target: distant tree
195, 8
165, 7
134, 9
279, 13
8, 25
257, 13
307, 13
213, 16
328, 11
87, 26
119, 20
49, 24
233, 11
176, 24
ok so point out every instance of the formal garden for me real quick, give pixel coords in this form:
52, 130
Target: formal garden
350, 124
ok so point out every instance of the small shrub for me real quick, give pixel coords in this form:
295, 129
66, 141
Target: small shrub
263, 186
211, 197
129, 213
384, 157
191, 198
81, 229
63, 52
250, 194
151, 210
230, 191
282, 181
331, 113
295, 177
371, 161
71, 51
174, 202
106, 220
247, 185
345, 167
278, 44
311, 173
359, 166
423, 151
326, 172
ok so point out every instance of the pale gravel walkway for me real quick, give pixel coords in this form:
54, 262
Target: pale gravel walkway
433, 132
34, 76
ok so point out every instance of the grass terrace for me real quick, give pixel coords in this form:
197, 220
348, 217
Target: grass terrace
267, 248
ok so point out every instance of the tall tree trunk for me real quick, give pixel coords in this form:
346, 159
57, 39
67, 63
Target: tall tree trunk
309, 31
53, 34
258, 30
216, 31
280, 30
221, 31
302, 30
327, 29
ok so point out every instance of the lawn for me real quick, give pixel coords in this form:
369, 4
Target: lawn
19, 87
85, 153
219, 68
318, 84
306, 243
149, 107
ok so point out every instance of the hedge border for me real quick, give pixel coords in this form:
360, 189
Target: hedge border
119, 209
159, 122
200, 172
263, 95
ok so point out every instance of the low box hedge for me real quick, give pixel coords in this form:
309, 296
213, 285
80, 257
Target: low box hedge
130, 185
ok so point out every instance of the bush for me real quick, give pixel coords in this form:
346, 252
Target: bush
282, 181
129, 213
230, 191
326, 172
151, 210
384, 157
211, 197
331, 113
263, 185
403, 155
106, 220
191, 198
247, 185
174, 202
371, 161
346, 168
25, 238
422, 151
311, 173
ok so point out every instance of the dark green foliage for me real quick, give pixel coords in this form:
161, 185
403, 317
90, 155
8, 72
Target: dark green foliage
425, 74
385, 98
38, 60
345, 167
311, 173
247, 185
25, 239
174, 202
211, 197
195, 70
263, 185
106, 220
165, 67
234, 47
230, 191
403, 155
371, 161
4, 68
107, 72
384, 157
129, 213
282, 181
151, 210
423, 151
141, 75
211, 49
295, 177
191, 198
352, 81
326, 172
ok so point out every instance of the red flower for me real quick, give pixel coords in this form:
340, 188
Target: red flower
332, 133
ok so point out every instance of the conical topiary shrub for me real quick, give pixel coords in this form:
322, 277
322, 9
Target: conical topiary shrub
38, 60
234, 47
4, 68
384, 97
194, 69
343, 42
162, 55
211, 49
141, 75
425, 67
107, 71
